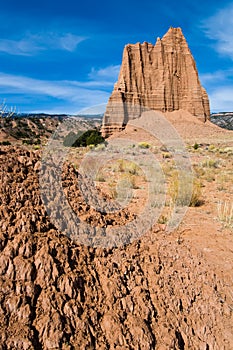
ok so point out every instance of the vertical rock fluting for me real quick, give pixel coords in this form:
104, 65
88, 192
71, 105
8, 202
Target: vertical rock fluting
163, 77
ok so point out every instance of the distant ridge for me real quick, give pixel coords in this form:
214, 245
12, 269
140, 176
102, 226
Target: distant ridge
223, 119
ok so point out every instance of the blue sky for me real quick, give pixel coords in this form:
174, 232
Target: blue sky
64, 56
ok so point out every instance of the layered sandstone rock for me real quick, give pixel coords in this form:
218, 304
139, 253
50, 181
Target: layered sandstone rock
161, 77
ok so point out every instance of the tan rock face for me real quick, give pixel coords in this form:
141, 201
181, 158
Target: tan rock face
160, 77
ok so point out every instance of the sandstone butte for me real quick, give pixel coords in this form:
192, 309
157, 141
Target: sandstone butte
160, 77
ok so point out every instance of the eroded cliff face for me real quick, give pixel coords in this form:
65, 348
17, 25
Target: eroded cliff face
161, 77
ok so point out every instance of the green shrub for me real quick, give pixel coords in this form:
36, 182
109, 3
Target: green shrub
94, 138
27, 142
99, 147
5, 143
70, 139
89, 137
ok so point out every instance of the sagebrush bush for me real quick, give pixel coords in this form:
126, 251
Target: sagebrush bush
210, 163
144, 144
185, 190
166, 155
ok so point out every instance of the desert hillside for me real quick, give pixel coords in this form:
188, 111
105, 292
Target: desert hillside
165, 290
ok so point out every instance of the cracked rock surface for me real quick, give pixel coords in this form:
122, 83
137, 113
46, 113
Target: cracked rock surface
155, 293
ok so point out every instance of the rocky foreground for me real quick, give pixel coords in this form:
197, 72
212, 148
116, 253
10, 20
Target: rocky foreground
156, 293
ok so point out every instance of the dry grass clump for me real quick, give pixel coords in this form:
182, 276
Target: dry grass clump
185, 190
210, 163
166, 155
212, 148
225, 213
100, 177
144, 145
125, 166
119, 189
224, 180
209, 175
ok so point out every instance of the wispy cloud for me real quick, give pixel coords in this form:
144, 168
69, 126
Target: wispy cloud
69, 41
221, 99
77, 94
32, 44
107, 73
70, 96
219, 85
216, 77
219, 27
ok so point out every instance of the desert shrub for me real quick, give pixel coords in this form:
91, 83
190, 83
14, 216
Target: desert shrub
223, 180
199, 171
228, 150
89, 137
36, 147
91, 146
196, 199
196, 145
94, 138
163, 148
27, 142
100, 147
180, 190
5, 143
100, 177
31, 141
209, 175
133, 169
70, 139
162, 219
210, 163
212, 148
19, 134
83, 139
125, 166
166, 155
144, 144
225, 213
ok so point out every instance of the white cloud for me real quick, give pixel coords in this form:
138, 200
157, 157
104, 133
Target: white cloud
71, 95
215, 77
221, 99
219, 27
107, 73
33, 43
78, 94
69, 41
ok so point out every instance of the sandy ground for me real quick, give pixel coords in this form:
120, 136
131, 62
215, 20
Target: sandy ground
164, 290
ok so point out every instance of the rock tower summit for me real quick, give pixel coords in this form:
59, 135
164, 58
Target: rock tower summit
160, 77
